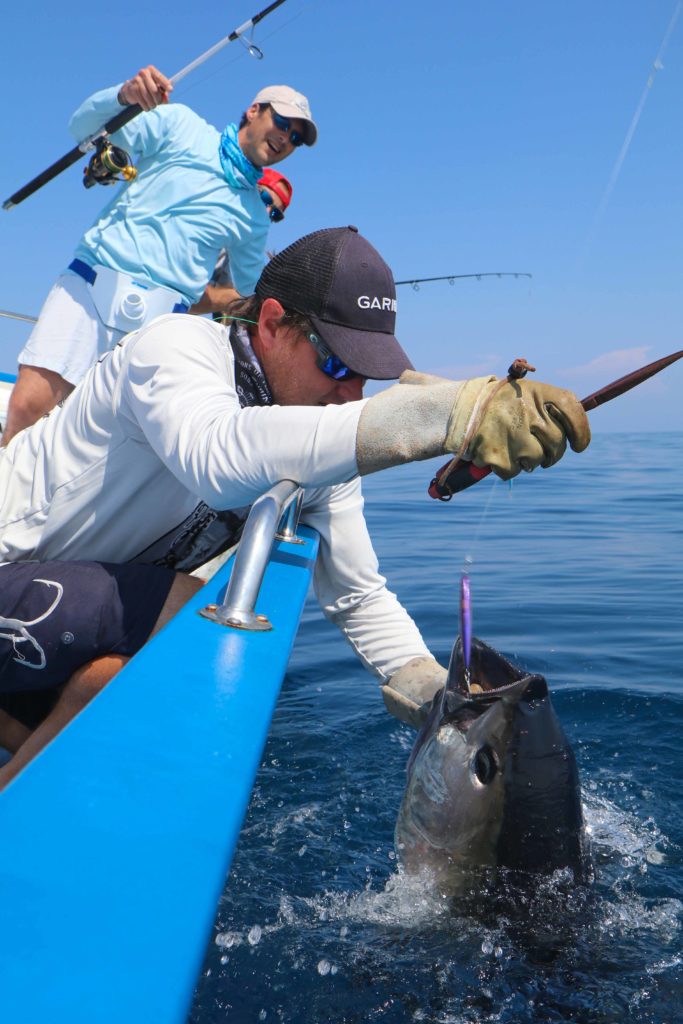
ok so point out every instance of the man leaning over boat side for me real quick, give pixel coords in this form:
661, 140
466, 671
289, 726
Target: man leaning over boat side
153, 248
186, 411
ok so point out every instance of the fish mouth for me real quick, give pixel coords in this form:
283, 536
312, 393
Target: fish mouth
491, 678
489, 671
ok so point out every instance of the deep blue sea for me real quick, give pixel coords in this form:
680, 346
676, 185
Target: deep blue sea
577, 573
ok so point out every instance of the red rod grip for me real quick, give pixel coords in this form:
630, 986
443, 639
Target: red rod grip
464, 475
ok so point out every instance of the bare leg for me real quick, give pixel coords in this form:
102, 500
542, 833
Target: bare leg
79, 691
12, 732
184, 587
88, 681
36, 392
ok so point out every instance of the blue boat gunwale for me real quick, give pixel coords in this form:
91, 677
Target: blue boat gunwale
118, 837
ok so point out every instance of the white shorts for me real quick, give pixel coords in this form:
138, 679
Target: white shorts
69, 336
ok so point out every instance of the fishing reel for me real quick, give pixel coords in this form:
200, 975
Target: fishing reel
108, 164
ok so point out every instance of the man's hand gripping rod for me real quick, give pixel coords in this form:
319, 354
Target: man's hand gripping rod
126, 115
458, 474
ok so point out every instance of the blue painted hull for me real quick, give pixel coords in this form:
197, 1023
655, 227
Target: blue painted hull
117, 839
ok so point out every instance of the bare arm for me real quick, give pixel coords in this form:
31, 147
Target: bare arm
217, 298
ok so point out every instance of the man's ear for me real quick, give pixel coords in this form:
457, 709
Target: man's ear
252, 112
269, 322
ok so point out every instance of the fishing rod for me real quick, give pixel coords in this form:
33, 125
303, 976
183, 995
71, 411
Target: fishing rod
459, 473
112, 159
415, 282
19, 316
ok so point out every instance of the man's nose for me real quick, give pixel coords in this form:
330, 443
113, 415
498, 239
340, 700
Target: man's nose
350, 390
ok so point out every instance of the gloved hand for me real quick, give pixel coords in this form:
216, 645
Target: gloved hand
408, 694
517, 425
509, 426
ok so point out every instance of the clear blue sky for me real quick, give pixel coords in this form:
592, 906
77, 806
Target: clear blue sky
459, 137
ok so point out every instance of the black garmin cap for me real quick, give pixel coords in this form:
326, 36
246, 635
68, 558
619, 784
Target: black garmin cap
337, 279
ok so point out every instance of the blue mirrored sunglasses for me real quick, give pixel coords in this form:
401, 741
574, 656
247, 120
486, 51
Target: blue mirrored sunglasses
328, 363
273, 212
283, 124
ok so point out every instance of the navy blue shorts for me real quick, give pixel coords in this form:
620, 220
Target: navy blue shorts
57, 616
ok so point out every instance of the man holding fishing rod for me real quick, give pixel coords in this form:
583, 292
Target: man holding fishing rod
185, 410
152, 250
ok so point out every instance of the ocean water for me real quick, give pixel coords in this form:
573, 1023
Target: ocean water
577, 573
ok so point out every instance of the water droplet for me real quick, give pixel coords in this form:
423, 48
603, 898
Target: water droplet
302, 850
254, 936
487, 947
343, 932
324, 967
262, 1014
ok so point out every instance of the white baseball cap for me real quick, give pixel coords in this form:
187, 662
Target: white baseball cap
289, 103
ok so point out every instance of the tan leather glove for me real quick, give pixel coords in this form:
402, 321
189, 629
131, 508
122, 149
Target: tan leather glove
517, 425
408, 694
508, 426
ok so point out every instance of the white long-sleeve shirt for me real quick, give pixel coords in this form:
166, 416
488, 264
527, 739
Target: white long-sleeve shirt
154, 427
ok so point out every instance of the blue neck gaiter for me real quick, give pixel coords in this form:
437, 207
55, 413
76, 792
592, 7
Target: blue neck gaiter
239, 172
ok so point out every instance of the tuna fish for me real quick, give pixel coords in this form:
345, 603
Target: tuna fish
492, 781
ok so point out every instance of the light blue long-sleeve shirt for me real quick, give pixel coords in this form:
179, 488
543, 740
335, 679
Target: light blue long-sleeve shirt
170, 224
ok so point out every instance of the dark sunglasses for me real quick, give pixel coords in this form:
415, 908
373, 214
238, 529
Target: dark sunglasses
273, 212
283, 124
328, 363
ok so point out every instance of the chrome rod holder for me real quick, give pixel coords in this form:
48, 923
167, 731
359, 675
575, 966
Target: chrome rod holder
289, 521
260, 531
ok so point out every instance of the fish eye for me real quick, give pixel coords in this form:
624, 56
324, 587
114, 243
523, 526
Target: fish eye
484, 765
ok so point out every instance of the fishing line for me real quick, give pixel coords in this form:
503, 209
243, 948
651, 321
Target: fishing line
465, 604
616, 170
481, 522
